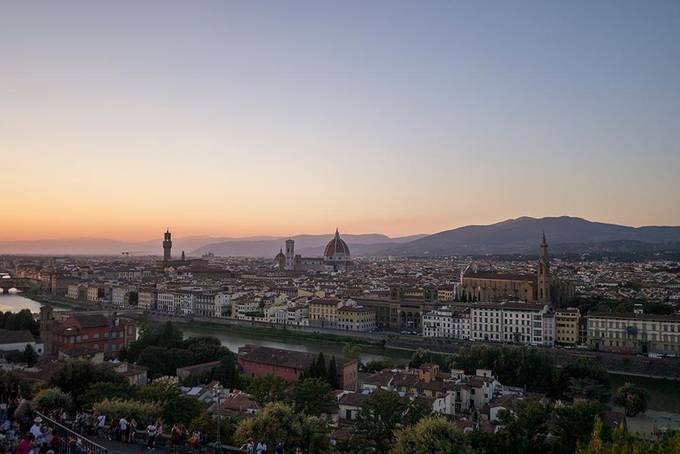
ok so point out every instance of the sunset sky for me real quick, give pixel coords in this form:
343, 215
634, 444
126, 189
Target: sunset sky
120, 118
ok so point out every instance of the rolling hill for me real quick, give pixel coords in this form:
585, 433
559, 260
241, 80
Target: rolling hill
522, 236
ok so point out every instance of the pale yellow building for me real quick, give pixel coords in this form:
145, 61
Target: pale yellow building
147, 299
567, 326
317, 293
323, 312
356, 318
447, 293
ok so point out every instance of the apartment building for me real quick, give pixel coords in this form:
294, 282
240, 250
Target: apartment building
166, 301
209, 303
447, 322
634, 333
147, 299
447, 293
298, 315
245, 307
513, 322
76, 292
121, 295
98, 293
356, 318
567, 326
323, 312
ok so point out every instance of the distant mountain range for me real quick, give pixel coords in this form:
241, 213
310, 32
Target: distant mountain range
522, 236
514, 236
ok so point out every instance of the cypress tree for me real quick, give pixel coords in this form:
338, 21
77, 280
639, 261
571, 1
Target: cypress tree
321, 367
333, 374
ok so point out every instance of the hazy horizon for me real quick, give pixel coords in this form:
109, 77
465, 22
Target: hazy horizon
246, 119
179, 235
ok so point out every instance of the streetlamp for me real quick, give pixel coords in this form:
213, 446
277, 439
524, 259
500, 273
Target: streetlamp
218, 392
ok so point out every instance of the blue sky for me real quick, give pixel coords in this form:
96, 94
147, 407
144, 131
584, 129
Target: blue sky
282, 117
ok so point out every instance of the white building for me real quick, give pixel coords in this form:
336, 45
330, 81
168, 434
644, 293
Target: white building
276, 313
185, 303
208, 303
513, 322
166, 302
297, 315
222, 305
634, 333
246, 308
447, 322
120, 296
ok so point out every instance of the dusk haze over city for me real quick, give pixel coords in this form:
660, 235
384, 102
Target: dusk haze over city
313, 227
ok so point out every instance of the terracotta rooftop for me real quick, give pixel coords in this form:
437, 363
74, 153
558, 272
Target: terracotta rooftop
500, 276
284, 358
14, 337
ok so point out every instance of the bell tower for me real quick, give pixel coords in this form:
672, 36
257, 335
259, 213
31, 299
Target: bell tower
167, 246
543, 273
290, 254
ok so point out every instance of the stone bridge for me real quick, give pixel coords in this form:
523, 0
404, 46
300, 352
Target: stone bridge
18, 283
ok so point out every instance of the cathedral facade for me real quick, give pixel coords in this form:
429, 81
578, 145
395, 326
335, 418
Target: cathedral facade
336, 257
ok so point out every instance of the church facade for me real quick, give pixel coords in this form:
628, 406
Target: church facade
540, 287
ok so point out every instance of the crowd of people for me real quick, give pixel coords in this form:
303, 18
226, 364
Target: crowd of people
128, 430
22, 432
261, 447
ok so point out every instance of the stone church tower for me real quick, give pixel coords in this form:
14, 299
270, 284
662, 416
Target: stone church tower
543, 273
290, 254
167, 246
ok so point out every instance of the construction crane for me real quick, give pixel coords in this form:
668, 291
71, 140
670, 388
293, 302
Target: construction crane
126, 254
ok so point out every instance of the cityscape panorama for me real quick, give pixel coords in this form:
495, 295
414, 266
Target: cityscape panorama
302, 227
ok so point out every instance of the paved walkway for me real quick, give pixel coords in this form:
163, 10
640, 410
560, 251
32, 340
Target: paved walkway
117, 447
645, 424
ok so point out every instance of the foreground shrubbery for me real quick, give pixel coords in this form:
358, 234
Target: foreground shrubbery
277, 422
51, 399
142, 412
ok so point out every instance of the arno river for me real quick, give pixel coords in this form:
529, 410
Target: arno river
13, 302
16, 302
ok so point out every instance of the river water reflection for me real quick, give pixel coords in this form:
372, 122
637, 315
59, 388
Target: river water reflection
14, 302
233, 341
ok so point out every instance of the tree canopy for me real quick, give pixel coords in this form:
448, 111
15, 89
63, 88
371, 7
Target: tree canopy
632, 398
431, 435
277, 422
162, 349
266, 389
377, 420
75, 377
21, 320
313, 396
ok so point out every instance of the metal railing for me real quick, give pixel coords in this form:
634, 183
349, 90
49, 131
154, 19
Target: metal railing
69, 440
